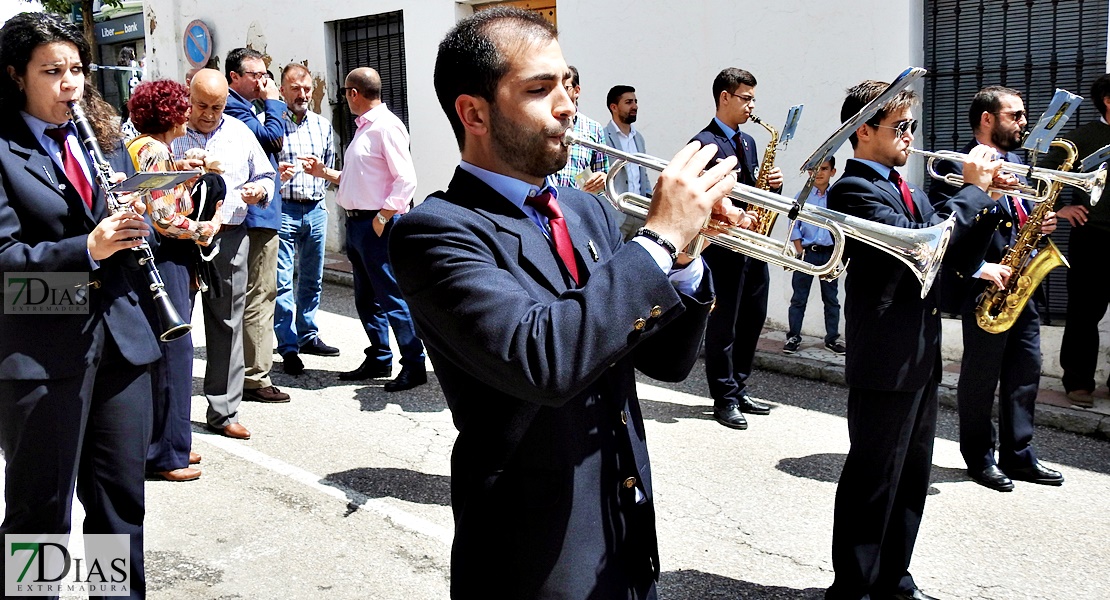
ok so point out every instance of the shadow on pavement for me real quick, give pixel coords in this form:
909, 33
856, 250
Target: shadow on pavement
402, 484
426, 398
827, 467
696, 585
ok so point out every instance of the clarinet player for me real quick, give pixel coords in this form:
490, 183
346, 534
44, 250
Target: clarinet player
75, 396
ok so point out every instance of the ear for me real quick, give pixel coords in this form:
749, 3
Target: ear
474, 112
863, 132
986, 120
15, 78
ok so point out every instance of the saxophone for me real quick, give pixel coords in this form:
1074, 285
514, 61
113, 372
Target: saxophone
998, 308
764, 219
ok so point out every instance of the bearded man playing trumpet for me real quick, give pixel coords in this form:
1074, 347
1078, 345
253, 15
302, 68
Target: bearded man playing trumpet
1013, 357
893, 362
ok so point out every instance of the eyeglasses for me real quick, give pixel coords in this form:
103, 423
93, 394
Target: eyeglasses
746, 99
1016, 115
901, 127
255, 75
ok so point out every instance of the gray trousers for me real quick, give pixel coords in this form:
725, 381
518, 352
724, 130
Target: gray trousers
223, 328
258, 317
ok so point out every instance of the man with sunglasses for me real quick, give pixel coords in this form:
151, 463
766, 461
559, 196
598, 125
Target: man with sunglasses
893, 363
1013, 357
741, 281
247, 81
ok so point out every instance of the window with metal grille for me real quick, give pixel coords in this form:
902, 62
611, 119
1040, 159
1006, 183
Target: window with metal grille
378, 42
1034, 46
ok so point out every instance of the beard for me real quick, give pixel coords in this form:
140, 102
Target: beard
525, 150
629, 119
1005, 140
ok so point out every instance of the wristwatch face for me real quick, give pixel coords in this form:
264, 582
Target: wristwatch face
382, 220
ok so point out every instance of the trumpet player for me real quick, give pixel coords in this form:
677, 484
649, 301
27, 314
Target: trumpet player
741, 281
893, 362
1010, 360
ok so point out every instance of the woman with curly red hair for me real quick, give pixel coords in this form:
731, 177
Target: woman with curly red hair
159, 111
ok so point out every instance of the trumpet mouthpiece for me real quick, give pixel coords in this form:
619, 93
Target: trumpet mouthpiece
570, 138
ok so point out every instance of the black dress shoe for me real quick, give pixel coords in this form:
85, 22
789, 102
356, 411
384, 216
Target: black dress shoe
1037, 473
730, 417
319, 348
752, 406
916, 594
407, 379
369, 369
292, 364
992, 477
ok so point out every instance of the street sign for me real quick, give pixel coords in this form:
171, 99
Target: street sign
198, 43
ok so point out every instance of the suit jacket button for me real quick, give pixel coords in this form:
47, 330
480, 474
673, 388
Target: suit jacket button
934, 311
656, 311
639, 324
630, 482
624, 417
1009, 225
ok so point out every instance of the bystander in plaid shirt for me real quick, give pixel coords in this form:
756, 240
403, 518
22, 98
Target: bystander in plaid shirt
312, 136
582, 157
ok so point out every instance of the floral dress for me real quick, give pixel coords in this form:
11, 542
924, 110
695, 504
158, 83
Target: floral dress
169, 210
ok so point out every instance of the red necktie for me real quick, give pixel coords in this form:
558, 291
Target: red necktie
903, 187
74, 173
1019, 210
548, 206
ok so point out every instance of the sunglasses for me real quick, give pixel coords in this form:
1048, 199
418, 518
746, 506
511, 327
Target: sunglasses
901, 127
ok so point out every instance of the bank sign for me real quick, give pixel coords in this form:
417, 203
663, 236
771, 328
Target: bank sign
123, 29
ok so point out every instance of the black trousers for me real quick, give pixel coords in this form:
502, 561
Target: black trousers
1088, 297
90, 430
881, 494
1010, 361
172, 375
736, 322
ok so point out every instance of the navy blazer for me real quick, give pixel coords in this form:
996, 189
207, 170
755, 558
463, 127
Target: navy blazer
893, 335
270, 134
991, 230
713, 134
44, 226
550, 480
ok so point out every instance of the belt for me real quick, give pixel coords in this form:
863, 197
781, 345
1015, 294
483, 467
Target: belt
300, 201
816, 248
360, 214
230, 227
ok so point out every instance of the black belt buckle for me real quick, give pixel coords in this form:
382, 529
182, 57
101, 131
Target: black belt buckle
360, 214
816, 248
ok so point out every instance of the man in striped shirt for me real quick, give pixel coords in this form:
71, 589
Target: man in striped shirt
304, 223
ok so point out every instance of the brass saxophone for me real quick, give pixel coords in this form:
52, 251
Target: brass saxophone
764, 219
999, 308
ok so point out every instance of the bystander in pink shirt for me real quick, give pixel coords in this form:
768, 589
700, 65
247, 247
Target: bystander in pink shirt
378, 173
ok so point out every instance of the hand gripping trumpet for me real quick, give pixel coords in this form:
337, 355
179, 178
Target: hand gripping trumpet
172, 324
920, 249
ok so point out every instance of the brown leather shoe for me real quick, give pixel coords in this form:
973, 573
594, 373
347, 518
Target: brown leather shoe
1082, 398
182, 474
267, 394
235, 430
194, 458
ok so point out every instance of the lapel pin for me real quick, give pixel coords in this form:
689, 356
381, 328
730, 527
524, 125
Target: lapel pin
593, 251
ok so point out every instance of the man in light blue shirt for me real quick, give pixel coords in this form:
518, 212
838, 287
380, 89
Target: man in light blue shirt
815, 245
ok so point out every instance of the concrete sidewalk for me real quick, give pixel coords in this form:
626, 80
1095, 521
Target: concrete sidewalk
813, 361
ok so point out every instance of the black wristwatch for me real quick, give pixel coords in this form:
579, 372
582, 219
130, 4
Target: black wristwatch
658, 239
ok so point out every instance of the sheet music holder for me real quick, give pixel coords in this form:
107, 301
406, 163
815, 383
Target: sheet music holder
792, 117
1050, 124
1095, 159
152, 181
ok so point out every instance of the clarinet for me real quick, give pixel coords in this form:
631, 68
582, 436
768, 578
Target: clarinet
172, 324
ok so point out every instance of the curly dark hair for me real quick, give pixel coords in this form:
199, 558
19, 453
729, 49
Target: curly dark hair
156, 106
20, 36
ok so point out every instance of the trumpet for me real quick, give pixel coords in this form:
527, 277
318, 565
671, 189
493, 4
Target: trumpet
920, 249
1093, 183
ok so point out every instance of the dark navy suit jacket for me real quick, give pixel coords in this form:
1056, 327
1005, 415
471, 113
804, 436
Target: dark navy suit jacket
893, 335
713, 134
550, 480
270, 134
44, 227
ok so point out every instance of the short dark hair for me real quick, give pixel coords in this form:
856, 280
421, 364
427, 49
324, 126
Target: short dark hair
616, 92
19, 37
832, 161
988, 99
156, 106
293, 68
234, 61
1100, 89
861, 94
728, 80
471, 59
574, 79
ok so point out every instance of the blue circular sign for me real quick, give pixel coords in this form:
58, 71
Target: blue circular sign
198, 43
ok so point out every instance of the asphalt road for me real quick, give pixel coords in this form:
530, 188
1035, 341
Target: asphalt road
344, 493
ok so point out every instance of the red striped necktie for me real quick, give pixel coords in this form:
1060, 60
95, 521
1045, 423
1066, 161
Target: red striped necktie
74, 173
548, 206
